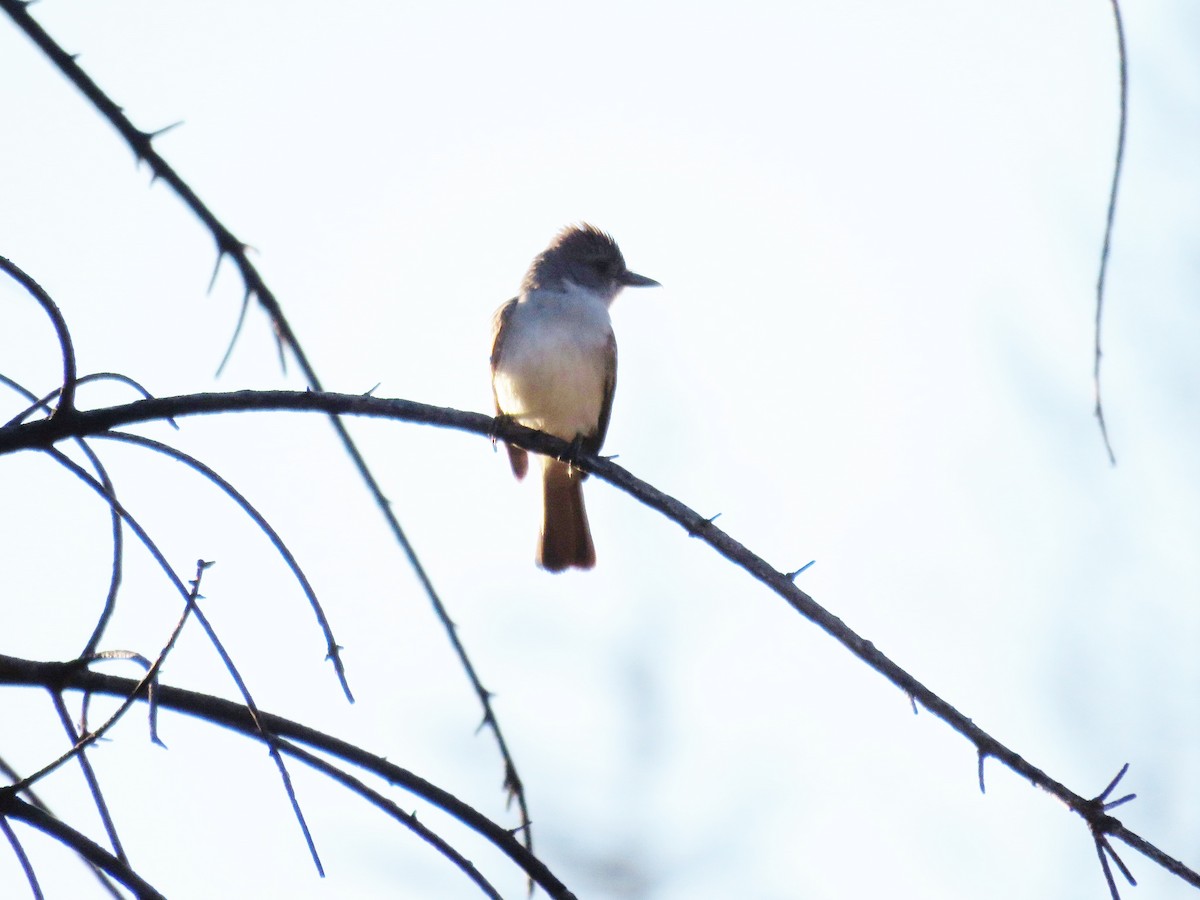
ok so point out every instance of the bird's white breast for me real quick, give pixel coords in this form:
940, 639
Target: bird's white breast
553, 366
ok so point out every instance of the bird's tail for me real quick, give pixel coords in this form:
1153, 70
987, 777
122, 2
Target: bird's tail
566, 540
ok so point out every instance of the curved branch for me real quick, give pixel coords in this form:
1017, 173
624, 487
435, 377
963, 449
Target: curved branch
118, 534
236, 717
67, 392
22, 859
332, 648
15, 808
13, 776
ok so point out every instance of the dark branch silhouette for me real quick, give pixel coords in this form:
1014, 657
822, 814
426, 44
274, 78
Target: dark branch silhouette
13, 807
1108, 224
22, 858
67, 391
59, 676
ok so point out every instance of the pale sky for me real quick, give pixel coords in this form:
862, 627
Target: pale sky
877, 226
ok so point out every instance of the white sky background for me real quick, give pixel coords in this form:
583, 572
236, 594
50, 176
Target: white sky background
877, 226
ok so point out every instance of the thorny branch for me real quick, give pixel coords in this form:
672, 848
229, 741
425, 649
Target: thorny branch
235, 716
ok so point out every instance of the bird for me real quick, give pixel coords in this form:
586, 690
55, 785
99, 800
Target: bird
554, 369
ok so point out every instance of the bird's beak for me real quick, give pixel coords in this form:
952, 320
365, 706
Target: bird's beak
633, 279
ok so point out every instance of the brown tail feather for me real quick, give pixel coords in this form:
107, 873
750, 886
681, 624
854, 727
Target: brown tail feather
566, 540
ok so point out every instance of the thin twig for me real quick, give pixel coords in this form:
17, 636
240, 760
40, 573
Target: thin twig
1108, 224
35, 290
101, 877
408, 820
89, 775
22, 858
332, 648
145, 684
16, 808
209, 631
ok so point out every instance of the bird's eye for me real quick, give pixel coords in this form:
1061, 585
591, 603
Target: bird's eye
601, 266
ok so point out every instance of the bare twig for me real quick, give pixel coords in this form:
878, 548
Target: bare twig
332, 648
22, 858
1108, 224
89, 775
16, 808
14, 776
79, 743
408, 820
67, 392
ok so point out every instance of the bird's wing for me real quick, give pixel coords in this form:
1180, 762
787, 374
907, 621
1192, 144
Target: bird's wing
594, 441
517, 457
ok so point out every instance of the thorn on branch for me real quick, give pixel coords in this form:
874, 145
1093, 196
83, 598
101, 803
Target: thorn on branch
791, 576
1115, 803
695, 532
983, 754
1112, 785
152, 135
241, 320
216, 268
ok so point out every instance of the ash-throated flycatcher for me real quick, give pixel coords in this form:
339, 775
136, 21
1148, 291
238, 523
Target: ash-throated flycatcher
554, 368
